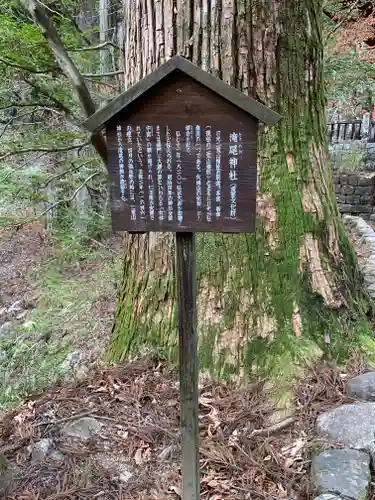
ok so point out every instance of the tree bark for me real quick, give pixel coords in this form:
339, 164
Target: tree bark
267, 299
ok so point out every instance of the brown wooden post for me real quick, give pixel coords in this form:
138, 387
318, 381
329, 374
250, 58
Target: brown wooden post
186, 283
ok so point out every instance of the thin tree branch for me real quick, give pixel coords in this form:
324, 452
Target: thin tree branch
41, 18
20, 167
65, 172
44, 150
59, 202
8, 123
100, 75
100, 46
29, 69
22, 105
44, 92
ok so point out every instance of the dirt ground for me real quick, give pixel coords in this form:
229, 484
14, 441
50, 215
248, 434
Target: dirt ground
134, 452
19, 251
241, 455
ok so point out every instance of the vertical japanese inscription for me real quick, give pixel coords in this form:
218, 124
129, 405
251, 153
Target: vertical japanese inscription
133, 213
180, 213
208, 173
169, 173
198, 176
233, 177
141, 193
150, 176
120, 153
218, 174
159, 170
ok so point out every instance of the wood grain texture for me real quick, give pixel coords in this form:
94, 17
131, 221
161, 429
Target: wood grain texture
188, 341
213, 124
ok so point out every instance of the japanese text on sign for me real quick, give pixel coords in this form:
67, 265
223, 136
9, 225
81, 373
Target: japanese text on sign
164, 172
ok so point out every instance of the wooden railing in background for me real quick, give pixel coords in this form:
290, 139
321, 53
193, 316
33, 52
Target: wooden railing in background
352, 130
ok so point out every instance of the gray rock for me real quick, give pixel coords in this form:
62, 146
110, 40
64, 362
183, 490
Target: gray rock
345, 208
5, 329
327, 496
44, 448
362, 387
115, 465
352, 425
83, 428
369, 278
343, 471
15, 307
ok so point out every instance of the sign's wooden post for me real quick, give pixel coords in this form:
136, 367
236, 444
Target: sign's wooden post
186, 283
182, 157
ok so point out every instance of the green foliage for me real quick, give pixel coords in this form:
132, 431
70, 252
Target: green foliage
346, 73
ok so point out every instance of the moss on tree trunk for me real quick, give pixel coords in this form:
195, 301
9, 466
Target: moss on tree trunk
265, 300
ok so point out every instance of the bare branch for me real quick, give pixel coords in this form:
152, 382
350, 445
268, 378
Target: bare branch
44, 92
100, 46
44, 150
9, 122
74, 168
59, 202
100, 75
29, 68
20, 167
22, 105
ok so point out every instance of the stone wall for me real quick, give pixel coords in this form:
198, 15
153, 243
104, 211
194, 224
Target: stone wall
355, 193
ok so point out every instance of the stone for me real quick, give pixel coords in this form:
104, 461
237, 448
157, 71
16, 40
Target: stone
44, 448
352, 425
347, 189
369, 278
366, 180
341, 198
343, 471
83, 428
327, 496
21, 315
346, 208
74, 359
353, 179
364, 190
362, 387
15, 307
116, 466
5, 330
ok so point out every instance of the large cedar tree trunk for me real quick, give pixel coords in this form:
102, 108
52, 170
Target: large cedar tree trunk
264, 299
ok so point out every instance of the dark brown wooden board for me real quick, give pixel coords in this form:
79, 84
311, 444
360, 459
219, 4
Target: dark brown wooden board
182, 159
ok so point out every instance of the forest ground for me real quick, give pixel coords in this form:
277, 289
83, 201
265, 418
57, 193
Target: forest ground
57, 296
57, 299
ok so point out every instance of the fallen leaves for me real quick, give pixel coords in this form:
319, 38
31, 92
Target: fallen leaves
241, 457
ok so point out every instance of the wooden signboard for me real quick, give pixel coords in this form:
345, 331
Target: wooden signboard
182, 153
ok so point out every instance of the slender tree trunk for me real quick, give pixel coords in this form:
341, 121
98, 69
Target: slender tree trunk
264, 299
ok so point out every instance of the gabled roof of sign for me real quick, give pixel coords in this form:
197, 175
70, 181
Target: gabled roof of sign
98, 120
